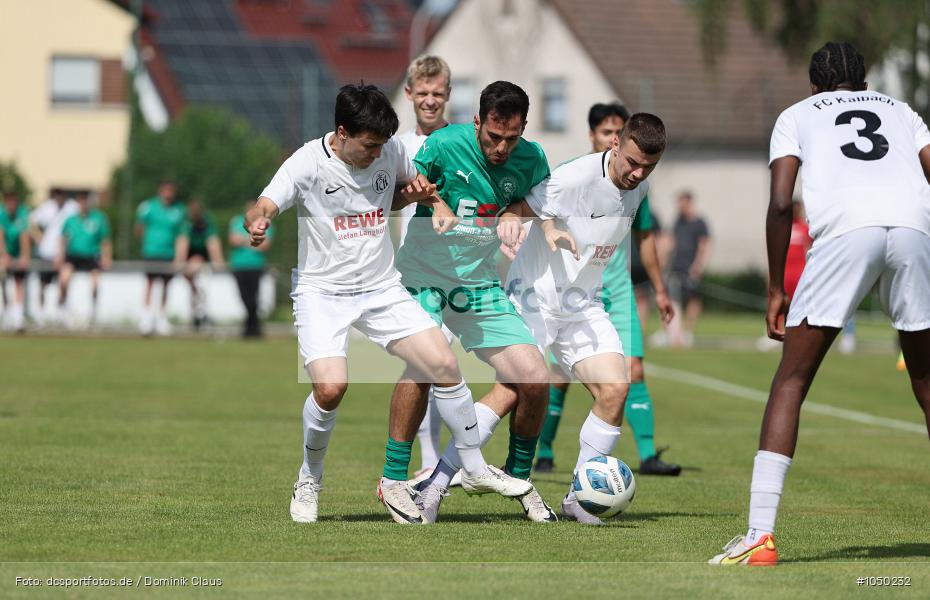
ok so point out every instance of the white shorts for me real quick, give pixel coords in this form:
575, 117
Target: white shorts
840, 272
572, 340
323, 320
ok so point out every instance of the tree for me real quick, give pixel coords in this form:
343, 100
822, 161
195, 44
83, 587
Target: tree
208, 152
11, 180
879, 29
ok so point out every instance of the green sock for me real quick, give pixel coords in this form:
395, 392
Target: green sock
520, 458
638, 412
551, 426
397, 459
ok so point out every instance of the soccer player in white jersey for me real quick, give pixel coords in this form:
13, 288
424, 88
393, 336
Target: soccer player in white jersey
427, 88
864, 159
585, 210
343, 185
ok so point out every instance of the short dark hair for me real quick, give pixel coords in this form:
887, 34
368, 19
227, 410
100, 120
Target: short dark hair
505, 99
600, 111
647, 131
361, 108
835, 64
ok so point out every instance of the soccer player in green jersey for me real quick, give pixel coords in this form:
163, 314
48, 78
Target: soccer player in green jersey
605, 122
479, 170
158, 223
199, 241
15, 252
85, 246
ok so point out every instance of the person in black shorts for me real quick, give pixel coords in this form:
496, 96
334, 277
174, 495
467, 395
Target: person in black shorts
85, 247
689, 257
200, 242
15, 252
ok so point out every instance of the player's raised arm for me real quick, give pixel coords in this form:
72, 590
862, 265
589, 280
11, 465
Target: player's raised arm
649, 255
777, 236
258, 219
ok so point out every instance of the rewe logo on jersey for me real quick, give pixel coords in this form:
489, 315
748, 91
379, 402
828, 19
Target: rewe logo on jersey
604, 252
369, 219
461, 174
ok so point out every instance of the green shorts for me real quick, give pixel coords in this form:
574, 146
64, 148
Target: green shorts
479, 317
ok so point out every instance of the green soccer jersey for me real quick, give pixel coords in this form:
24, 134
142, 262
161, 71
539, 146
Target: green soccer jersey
84, 235
162, 227
13, 226
198, 234
476, 191
246, 258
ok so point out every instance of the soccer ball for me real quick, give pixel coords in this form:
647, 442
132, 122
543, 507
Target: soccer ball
604, 486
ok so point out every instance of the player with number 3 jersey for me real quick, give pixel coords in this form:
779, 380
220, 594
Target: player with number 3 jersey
864, 158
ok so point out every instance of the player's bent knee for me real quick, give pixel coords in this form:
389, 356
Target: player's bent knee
444, 368
610, 398
328, 395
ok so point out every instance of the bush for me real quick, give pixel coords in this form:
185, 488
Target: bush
208, 152
11, 180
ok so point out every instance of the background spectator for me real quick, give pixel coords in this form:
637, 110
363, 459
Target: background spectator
85, 246
247, 265
46, 223
689, 254
200, 242
14, 257
158, 222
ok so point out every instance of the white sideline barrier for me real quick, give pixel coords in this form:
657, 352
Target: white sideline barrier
121, 293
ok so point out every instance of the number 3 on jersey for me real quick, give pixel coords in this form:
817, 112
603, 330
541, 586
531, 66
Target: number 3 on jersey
869, 132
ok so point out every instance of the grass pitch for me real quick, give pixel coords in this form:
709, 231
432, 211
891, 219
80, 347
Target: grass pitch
129, 459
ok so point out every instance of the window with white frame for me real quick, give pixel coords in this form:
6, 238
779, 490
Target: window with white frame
463, 102
75, 80
555, 104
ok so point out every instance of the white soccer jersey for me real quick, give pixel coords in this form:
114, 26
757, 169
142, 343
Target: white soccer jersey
583, 200
412, 142
50, 218
342, 211
859, 164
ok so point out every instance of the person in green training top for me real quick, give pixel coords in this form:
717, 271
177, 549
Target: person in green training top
158, 222
199, 241
15, 252
605, 121
478, 170
86, 247
247, 264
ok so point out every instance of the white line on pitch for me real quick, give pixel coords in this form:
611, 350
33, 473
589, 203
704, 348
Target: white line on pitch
739, 391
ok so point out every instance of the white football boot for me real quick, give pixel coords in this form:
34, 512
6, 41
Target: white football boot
397, 496
305, 500
493, 480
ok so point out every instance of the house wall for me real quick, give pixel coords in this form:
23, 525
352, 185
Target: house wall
730, 187
731, 193
74, 147
483, 45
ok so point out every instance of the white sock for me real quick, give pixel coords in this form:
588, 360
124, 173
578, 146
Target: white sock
768, 479
450, 463
428, 434
318, 427
457, 409
487, 423
597, 439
